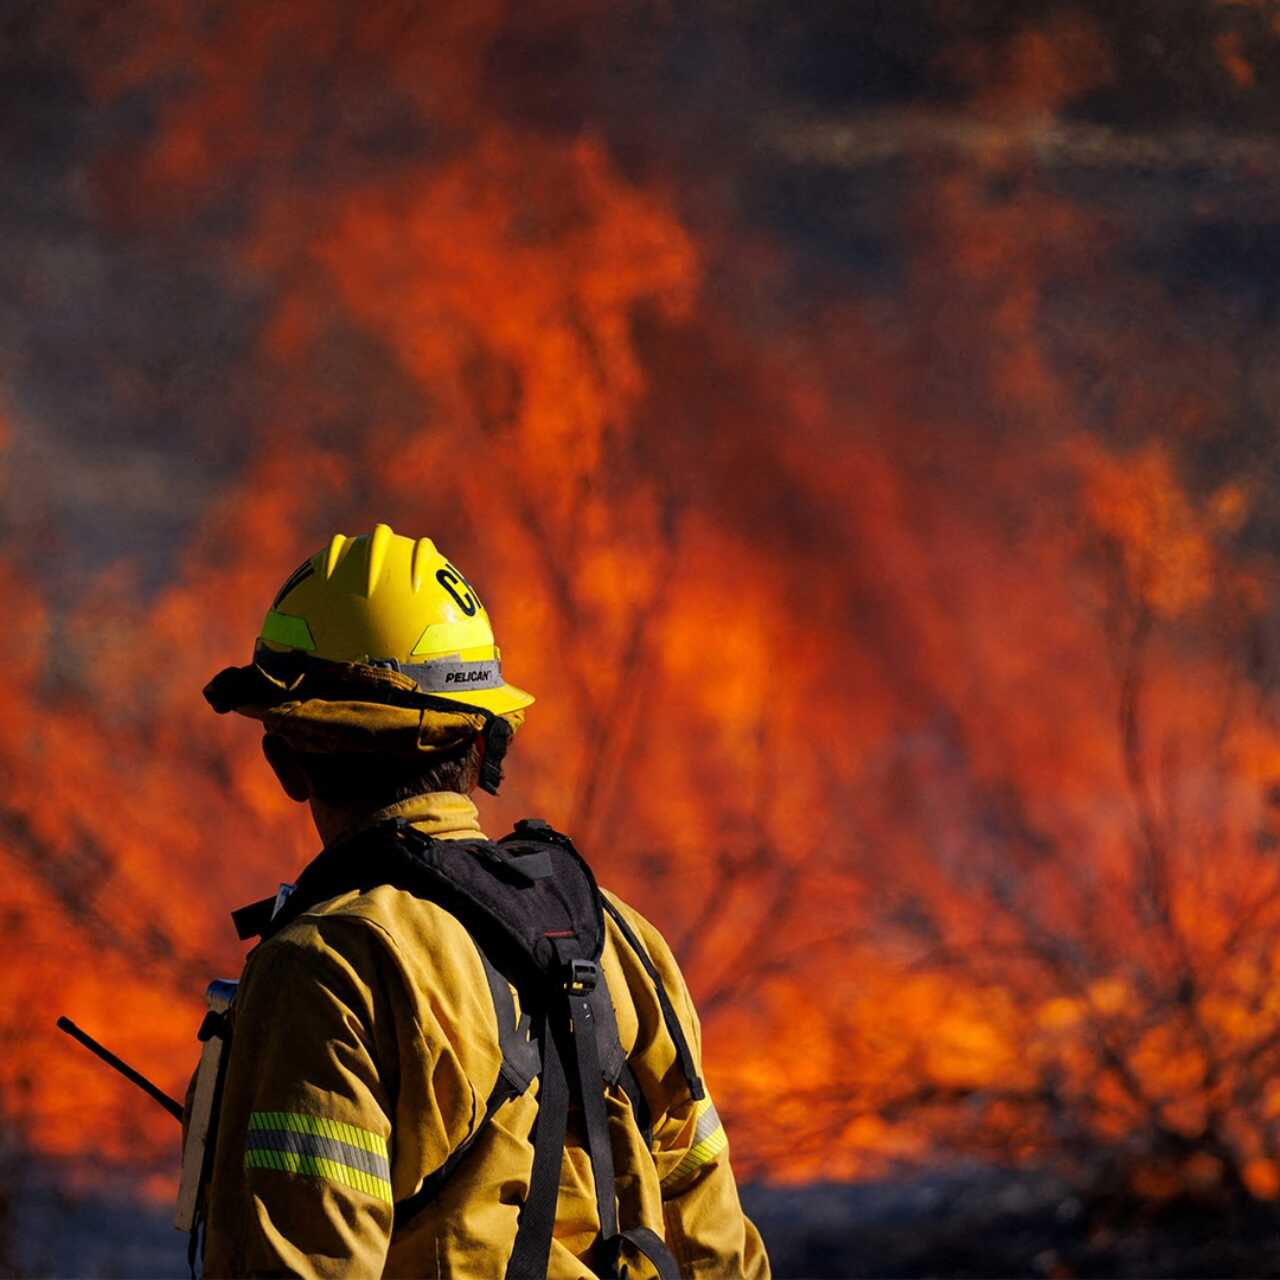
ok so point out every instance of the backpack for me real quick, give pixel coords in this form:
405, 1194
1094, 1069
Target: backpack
536, 915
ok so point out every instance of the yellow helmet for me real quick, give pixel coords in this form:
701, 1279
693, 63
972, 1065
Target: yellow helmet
377, 643
384, 600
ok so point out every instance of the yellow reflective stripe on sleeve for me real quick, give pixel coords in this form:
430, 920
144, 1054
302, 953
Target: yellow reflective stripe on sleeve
709, 1140
321, 1127
316, 1167
320, 1148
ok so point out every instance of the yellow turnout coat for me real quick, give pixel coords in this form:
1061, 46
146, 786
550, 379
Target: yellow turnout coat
364, 1049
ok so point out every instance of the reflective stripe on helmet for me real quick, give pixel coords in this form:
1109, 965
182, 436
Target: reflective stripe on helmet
283, 628
452, 637
449, 675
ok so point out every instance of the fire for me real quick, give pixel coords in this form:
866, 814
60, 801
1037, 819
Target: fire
917, 695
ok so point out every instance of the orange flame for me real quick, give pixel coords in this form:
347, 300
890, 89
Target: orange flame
917, 719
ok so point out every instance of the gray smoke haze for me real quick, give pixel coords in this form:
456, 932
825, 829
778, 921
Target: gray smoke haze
126, 355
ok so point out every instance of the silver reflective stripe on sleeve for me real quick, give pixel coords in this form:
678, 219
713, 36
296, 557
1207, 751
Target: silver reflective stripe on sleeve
318, 1147
322, 1148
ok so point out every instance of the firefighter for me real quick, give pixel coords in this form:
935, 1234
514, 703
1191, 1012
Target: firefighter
384, 1078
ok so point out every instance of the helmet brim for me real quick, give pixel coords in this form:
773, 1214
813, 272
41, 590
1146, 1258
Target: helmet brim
499, 701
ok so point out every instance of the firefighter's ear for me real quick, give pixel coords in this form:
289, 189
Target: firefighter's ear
288, 769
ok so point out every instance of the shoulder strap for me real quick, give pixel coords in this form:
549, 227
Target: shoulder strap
674, 1029
253, 920
614, 1067
532, 1248
652, 1245
581, 983
579, 990
573, 1022
522, 1063
521, 1060
654, 1248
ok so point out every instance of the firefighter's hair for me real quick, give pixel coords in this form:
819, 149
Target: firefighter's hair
370, 780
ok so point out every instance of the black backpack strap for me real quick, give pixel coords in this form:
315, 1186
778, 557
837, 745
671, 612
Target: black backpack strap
521, 1060
538, 1213
614, 1066
582, 984
674, 1029
639, 1103
652, 1245
613, 1057
584, 979
253, 920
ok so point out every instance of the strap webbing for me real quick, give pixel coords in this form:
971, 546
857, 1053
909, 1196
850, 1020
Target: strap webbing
252, 921
674, 1030
639, 1103
520, 1061
613, 1057
538, 1216
594, 1114
652, 1245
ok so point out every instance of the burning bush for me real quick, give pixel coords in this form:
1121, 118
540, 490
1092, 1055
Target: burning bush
907, 655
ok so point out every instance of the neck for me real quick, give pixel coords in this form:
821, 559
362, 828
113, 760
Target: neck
443, 814
333, 821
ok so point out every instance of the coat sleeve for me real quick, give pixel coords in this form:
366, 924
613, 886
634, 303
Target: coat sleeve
301, 1181
707, 1230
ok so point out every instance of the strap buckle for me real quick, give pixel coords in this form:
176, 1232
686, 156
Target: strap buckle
582, 976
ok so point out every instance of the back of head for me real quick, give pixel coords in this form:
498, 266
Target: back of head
356, 781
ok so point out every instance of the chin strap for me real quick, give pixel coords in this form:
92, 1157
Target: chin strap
496, 737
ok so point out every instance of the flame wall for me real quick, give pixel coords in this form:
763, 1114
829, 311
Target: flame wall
898, 599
